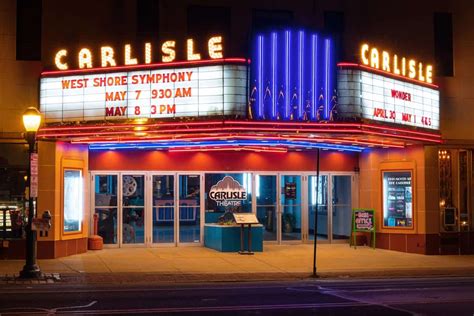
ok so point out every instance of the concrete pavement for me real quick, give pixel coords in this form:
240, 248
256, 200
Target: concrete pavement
277, 262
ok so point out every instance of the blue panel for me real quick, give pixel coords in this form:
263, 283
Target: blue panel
292, 76
227, 238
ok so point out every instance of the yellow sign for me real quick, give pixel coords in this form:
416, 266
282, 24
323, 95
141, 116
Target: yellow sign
168, 54
392, 63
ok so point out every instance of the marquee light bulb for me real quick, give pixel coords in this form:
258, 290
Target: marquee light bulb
147, 53
364, 49
57, 60
107, 56
85, 58
128, 56
169, 54
215, 47
191, 54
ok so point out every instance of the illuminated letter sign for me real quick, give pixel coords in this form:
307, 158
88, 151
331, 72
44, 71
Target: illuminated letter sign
371, 57
168, 54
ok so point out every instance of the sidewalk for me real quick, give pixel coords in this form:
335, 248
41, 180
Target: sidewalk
277, 262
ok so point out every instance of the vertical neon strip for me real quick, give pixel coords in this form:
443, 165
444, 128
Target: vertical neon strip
327, 93
260, 76
287, 74
274, 78
314, 76
300, 74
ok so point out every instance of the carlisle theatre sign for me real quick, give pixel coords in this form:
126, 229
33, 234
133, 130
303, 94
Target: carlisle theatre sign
155, 85
388, 88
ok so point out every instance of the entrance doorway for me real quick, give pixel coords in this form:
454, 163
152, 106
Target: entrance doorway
141, 209
156, 209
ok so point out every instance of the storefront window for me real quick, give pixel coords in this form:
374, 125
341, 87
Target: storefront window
228, 192
73, 205
398, 199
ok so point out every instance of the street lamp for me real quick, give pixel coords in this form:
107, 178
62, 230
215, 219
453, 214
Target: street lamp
31, 122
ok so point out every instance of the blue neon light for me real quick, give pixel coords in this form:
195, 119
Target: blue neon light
287, 75
293, 76
327, 91
301, 96
314, 76
224, 143
274, 78
260, 78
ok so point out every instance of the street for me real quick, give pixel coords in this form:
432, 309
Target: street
416, 296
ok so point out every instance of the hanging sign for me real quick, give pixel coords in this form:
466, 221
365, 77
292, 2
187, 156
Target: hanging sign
34, 175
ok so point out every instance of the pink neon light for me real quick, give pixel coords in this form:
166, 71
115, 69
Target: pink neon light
378, 71
232, 148
233, 126
145, 66
401, 130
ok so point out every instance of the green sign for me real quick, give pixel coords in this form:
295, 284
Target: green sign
363, 220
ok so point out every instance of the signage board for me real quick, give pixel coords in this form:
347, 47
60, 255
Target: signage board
40, 224
245, 218
228, 192
34, 175
290, 191
212, 90
397, 199
367, 95
449, 218
363, 220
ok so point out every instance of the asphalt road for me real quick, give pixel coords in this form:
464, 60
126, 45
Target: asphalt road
418, 296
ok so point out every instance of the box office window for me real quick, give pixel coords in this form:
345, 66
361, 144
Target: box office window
73, 201
398, 199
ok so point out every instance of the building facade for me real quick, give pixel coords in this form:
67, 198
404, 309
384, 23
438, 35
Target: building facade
243, 93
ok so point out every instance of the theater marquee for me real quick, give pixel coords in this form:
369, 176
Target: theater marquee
215, 89
372, 96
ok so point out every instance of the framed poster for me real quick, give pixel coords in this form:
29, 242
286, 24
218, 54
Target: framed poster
397, 199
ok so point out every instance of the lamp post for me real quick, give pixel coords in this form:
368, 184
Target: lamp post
31, 122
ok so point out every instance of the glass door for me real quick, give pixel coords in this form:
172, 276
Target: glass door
106, 207
290, 206
133, 209
322, 211
164, 210
189, 208
266, 197
341, 206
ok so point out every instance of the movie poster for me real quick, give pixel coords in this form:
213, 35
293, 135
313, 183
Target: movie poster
397, 199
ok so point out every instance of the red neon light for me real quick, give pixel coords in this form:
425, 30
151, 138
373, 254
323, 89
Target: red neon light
233, 126
370, 69
233, 148
145, 66
395, 129
223, 123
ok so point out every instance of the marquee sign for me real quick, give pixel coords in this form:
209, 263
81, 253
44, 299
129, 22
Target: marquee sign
397, 65
109, 55
368, 95
218, 88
